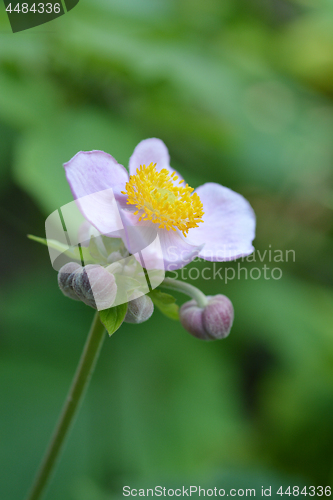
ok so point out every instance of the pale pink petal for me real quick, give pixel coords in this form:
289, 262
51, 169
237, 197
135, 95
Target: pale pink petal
136, 235
92, 171
96, 181
177, 250
229, 224
151, 151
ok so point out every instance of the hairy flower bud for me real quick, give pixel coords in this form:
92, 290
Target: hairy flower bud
95, 286
212, 322
139, 310
91, 284
65, 279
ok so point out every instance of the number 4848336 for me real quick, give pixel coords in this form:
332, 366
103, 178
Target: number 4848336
41, 8
311, 491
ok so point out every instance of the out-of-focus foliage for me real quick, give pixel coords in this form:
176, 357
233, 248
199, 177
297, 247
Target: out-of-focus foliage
241, 92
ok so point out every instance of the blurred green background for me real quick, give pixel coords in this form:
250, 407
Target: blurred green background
241, 91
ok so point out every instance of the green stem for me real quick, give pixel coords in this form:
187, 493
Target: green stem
192, 291
75, 396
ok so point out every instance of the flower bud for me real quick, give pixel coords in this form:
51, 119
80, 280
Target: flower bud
95, 286
65, 279
212, 322
139, 310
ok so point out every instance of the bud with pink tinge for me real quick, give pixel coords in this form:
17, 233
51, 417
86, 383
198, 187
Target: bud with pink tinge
92, 284
212, 322
139, 310
65, 279
95, 287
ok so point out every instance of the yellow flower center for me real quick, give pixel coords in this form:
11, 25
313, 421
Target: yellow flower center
161, 200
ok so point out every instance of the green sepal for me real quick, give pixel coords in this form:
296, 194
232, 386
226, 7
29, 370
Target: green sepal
113, 317
125, 287
112, 244
166, 303
97, 252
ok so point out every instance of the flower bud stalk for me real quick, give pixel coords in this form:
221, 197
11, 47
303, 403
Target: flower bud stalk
187, 289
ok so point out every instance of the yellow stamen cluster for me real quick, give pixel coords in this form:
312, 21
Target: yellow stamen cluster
160, 199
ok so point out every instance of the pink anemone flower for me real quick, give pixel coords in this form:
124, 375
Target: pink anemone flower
211, 222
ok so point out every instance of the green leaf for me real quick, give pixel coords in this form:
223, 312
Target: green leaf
113, 317
53, 244
72, 252
166, 303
